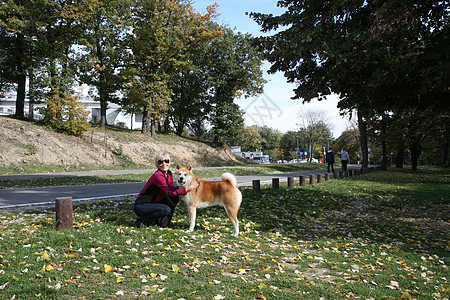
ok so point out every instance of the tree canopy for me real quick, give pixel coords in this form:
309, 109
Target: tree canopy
378, 56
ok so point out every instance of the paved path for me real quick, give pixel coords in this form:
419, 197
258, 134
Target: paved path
47, 195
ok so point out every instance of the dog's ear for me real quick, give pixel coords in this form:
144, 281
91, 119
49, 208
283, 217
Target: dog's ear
189, 168
178, 166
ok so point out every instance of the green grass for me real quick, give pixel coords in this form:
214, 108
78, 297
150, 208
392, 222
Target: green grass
383, 235
201, 173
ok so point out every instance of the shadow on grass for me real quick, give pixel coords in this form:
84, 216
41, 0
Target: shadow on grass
380, 208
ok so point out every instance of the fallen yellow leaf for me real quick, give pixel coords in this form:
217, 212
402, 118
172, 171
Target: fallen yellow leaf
108, 268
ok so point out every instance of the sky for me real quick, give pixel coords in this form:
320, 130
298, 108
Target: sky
274, 108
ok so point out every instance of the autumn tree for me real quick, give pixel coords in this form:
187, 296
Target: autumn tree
314, 126
250, 139
270, 138
348, 140
189, 108
164, 31
224, 69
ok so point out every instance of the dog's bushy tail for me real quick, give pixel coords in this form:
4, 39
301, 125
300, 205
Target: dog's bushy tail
230, 178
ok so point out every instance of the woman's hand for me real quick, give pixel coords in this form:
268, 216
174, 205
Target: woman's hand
192, 186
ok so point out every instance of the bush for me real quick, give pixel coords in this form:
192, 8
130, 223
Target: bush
65, 114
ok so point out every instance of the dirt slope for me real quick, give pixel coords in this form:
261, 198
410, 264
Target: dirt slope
24, 143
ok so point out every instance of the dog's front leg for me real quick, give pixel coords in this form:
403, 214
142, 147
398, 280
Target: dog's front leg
192, 216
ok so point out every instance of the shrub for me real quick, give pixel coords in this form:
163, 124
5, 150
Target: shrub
65, 114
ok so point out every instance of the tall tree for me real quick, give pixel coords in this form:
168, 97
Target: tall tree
224, 69
354, 49
288, 143
348, 140
17, 28
270, 138
250, 139
190, 102
103, 49
234, 71
164, 31
314, 126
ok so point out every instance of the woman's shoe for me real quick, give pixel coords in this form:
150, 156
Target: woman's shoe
138, 223
163, 222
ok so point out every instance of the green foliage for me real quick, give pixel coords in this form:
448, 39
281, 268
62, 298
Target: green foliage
288, 143
164, 32
270, 138
65, 114
264, 138
378, 56
103, 50
349, 141
223, 69
124, 159
250, 139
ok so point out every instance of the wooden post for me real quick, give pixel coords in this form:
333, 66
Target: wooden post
345, 173
350, 173
319, 178
276, 183
335, 175
290, 182
64, 213
256, 186
341, 174
302, 180
311, 179
327, 176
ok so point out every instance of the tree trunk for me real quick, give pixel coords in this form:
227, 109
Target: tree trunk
31, 96
446, 146
102, 91
416, 150
153, 128
103, 108
21, 78
383, 143
363, 140
400, 157
215, 142
131, 121
145, 125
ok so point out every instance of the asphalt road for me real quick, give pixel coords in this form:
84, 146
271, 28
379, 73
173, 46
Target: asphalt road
47, 195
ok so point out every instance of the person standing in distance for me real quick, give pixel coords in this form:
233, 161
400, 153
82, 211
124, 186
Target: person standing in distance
344, 159
330, 160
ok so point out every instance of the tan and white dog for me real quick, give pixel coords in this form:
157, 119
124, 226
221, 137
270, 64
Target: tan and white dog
210, 193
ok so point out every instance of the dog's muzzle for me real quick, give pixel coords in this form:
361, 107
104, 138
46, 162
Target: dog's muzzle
181, 182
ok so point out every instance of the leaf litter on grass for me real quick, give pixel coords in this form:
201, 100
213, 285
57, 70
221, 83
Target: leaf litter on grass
358, 239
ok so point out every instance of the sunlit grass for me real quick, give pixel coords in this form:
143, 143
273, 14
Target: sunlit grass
370, 237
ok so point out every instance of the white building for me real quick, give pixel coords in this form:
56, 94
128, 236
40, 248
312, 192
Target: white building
256, 156
114, 115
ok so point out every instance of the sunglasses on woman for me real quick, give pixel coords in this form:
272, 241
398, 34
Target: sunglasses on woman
160, 162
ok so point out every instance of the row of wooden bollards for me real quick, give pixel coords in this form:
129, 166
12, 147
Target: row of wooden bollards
64, 207
312, 178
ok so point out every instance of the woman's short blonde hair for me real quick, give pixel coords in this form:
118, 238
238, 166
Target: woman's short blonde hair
161, 156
